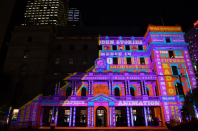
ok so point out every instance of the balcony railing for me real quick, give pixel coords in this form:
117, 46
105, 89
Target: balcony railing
81, 97
136, 97
154, 97
120, 97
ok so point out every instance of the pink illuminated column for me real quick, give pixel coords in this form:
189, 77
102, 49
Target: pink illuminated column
74, 116
142, 85
109, 87
112, 88
92, 116
92, 87
114, 121
55, 93
123, 90
128, 117
145, 90
56, 116
88, 119
110, 123
131, 113
129, 91
53, 109
148, 111
126, 87
89, 87
70, 116
145, 116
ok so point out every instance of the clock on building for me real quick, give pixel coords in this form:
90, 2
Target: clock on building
100, 62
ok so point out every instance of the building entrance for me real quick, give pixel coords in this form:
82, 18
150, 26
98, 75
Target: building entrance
101, 116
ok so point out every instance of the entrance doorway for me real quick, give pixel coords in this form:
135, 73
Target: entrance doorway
101, 116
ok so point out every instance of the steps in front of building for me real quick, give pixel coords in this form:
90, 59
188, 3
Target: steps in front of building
107, 128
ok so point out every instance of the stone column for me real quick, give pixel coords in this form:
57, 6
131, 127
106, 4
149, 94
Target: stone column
59, 88
142, 86
41, 116
148, 111
128, 117
110, 123
145, 116
92, 87
56, 116
92, 116
74, 116
75, 87
114, 121
145, 90
109, 88
88, 119
70, 116
53, 108
129, 90
89, 87
126, 88
112, 88
131, 113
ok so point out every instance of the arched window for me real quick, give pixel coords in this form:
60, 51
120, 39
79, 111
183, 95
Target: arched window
147, 92
69, 91
132, 92
178, 88
83, 91
117, 92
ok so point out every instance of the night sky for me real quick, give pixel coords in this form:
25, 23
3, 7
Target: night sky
137, 13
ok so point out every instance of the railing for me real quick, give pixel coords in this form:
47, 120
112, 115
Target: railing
136, 97
81, 98
47, 97
154, 97
120, 97
120, 73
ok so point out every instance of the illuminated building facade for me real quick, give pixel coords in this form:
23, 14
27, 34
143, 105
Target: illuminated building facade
74, 17
134, 81
46, 12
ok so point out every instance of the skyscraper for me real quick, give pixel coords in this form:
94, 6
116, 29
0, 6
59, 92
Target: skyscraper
191, 37
46, 12
74, 17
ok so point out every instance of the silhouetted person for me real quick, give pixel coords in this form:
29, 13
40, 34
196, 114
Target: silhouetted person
100, 122
156, 122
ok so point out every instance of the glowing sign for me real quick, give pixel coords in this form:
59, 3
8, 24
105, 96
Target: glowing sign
168, 98
165, 29
138, 103
127, 66
172, 60
120, 42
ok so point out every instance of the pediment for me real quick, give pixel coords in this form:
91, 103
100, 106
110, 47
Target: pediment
101, 97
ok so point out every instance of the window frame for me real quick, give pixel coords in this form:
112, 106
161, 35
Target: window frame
115, 46
139, 47
140, 61
169, 54
116, 60
70, 61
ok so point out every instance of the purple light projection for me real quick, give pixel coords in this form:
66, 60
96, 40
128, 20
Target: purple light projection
75, 87
145, 116
55, 90
126, 87
128, 120
56, 116
59, 88
92, 87
109, 87
88, 120
89, 88
112, 88
74, 116
92, 116
70, 116
114, 123
129, 93
110, 123
148, 113
41, 117
131, 112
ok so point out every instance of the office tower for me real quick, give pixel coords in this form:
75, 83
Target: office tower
191, 37
74, 17
46, 12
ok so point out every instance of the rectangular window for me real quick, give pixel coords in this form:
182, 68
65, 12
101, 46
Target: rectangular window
84, 60
15, 114
170, 54
114, 47
29, 39
174, 70
115, 60
71, 47
151, 58
59, 47
26, 54
142, 62
71, 60
167, 40
100, 47
127, 47
23, 70
83, 115
140, 47
57, 61
84, 47
128, 61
